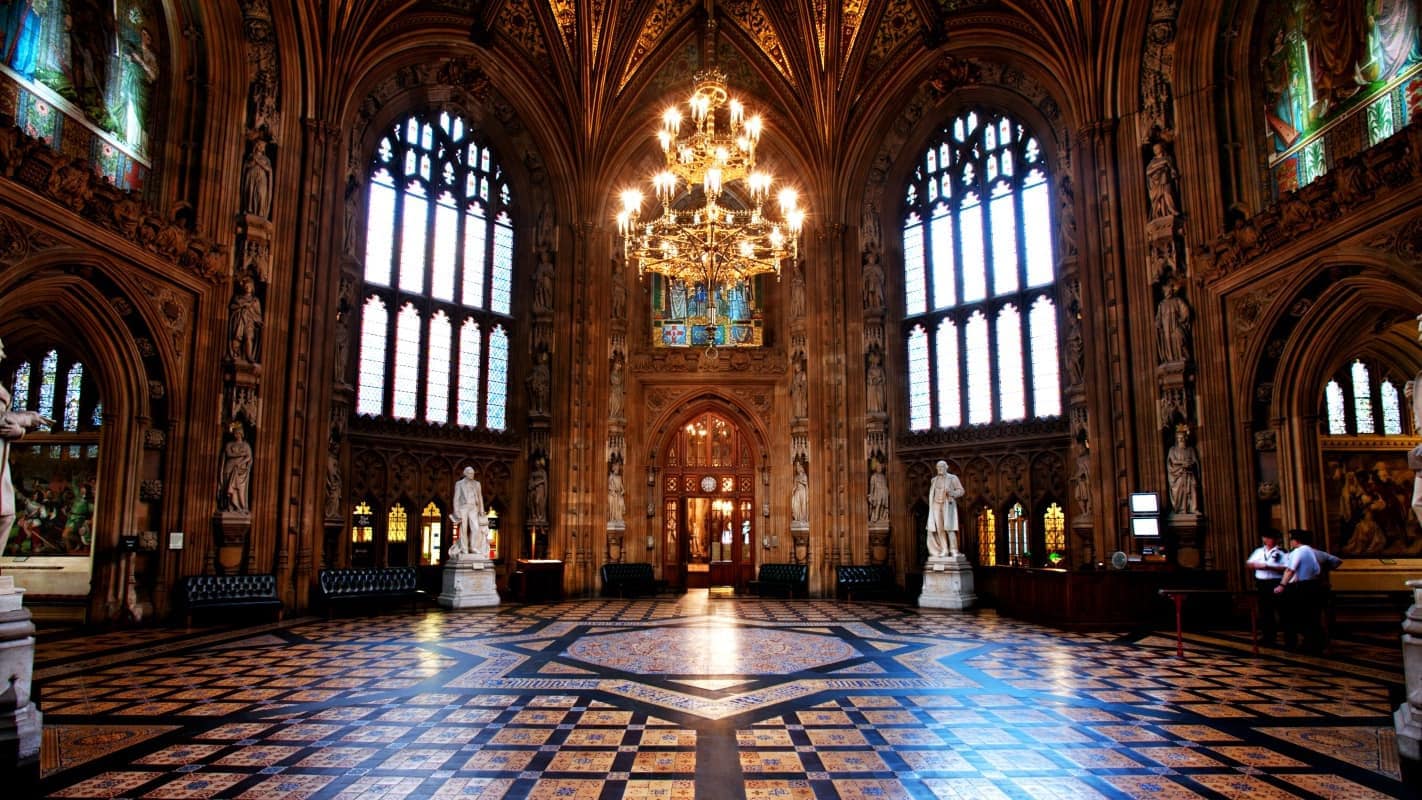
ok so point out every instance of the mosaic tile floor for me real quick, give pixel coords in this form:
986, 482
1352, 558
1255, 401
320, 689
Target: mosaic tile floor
703, 698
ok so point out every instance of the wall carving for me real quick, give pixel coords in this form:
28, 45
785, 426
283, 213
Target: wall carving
1048, 426
765, 361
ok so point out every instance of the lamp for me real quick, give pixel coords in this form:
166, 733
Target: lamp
719, 245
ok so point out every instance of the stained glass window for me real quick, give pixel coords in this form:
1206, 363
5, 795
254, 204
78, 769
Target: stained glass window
1336, 409
431, 522
439, 247
1362, 398
72, 382
1054, 531
1392, 411
20, 397
981, 274
1355, 397
361, 530
1017, 548
987, 538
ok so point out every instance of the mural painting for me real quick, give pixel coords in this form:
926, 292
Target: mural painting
54, 499
1368, 495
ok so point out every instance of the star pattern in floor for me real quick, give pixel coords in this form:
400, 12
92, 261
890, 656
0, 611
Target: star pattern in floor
701, 697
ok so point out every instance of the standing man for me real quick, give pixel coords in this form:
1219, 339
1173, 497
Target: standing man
472, 538
1305, 590
13, 426
1268, 563
943, 496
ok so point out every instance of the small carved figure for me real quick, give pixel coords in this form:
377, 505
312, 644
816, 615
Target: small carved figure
1172, 326
539, 384
543, 283
1066, 220
472, 534
616, 499
873, 281
236, 470
871, 234
619, 297
1076, 354
943, 496
257, 181
538, 493
800, 495
617, 389
797, 292
1162, 183
1083, 482
244, 323
546, 236
878, 495
1182, 465
878, 383
333, 486
799, 399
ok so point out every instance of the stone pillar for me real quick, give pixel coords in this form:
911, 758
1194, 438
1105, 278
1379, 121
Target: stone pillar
19, 719
1408, 719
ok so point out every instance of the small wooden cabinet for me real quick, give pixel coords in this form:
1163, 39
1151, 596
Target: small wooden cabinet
537, 580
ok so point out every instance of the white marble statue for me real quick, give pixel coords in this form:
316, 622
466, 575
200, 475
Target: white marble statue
800, 495
236, 471
943, 496
616, 498
13, 426
472, 535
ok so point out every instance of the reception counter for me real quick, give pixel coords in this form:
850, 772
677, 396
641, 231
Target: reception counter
1089, 601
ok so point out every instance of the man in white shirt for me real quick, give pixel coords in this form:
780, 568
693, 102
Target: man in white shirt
1268, 563
1305, 590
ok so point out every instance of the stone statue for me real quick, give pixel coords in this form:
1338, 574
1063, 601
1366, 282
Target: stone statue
797, 292
873, 281
257, 181
1413, 391
1162, 183
546, 236
333, 486
1181, 465
616, 498
799, 397
244, 322
13, 426
1066, 220
871, 233
943, 496
1076, 354
538, 493
1172, 326
616, 394
543, 282
878, 496
539, 384
471, 536
236, 470
878, 383
619, 295
800, 495
1083, 482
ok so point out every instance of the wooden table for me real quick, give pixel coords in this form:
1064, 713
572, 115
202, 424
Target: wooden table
1179, 595
536, 580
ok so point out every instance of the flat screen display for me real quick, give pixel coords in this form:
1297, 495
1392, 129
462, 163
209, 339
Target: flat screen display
1145, 503
1145, 526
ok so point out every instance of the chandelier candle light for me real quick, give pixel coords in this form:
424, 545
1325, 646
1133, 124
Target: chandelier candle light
712, 244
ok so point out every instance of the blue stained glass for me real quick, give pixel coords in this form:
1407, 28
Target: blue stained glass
437, 362
979, 370
1037, 225
498, 394
1012, 393
412, 244
1334, 405
446, 245
1046, 366
475, 259
945, 361
370, 388
915, 283
503, 264
407, 362
471, 346
920, 411
1004, 244
98, 419
941, 231
380, 230
970, 230
49, 369
20, 398
72, 384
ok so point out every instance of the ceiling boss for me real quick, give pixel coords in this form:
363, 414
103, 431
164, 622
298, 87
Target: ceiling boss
717, 226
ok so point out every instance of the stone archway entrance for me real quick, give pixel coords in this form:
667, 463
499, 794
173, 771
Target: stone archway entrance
709, 529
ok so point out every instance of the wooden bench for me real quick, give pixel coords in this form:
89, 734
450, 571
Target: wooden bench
781, 580
628, 580
228, 592
860, 581
367, 585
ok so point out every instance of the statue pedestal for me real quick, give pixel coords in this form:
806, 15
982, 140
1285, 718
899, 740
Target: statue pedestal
19, 719
948, 583
1408, 719
468, 583
233, 528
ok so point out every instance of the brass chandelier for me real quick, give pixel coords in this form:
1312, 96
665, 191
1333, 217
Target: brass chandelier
698, 239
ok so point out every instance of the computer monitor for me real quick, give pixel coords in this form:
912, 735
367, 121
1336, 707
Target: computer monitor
1145, 503
1145, 526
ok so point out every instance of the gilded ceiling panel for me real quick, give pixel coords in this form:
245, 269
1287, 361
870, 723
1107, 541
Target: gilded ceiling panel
750, 17
664, 14
518, 21
901, 22
565, 13
850, 21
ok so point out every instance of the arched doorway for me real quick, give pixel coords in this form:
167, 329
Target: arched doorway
708, 521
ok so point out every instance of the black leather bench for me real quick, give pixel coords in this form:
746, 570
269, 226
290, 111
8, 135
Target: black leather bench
862, 581
227, 592
781, 580
367, 585
628, 580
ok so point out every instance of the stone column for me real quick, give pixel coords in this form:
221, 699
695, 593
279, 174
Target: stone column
19, 719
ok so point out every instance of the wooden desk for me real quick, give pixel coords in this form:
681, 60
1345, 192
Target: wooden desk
538, 580
1248, 599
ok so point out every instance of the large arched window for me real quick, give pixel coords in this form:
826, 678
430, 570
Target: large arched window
438, 278
1361, 400
980, 322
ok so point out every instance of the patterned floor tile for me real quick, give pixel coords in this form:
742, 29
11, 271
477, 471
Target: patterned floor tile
480, 789
664, 761
965, 789
287, 787
771, 761
197, 786
566, 790
1158, 787
870, 789
1333, 787
108, 784
659, 790
778, 790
